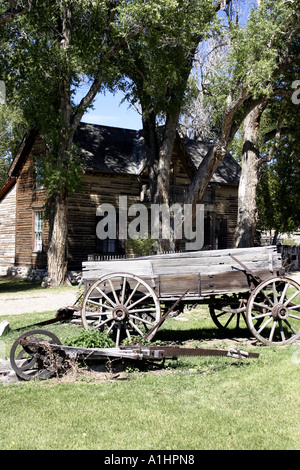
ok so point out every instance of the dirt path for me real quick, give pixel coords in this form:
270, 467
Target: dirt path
47, 300
40, 301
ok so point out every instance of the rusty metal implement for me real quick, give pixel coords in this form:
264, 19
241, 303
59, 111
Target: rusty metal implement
40, 354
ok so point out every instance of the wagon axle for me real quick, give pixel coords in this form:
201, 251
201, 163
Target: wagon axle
280, 312
120, 313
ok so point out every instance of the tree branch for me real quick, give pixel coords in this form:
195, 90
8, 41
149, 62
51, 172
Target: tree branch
15, 9
97, 83
221, 4
274, 133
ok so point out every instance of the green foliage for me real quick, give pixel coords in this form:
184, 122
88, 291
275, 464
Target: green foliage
141, 246
278, 191
159, 63
48, 53
251, 58
91, 339
12, 129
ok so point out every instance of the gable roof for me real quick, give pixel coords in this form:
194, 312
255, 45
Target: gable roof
229, 171
121, 151
110, 149
116, 150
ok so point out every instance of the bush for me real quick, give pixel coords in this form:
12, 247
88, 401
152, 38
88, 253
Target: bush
142, 246
91, 339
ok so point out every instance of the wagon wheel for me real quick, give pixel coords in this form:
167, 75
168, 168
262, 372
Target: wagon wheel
30, 362
121, 304
276, 302
226, 316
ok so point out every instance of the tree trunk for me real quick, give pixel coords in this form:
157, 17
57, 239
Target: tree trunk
57, 255
151, 150
247, 209
163, 178
197, 188
58, 247
164, 161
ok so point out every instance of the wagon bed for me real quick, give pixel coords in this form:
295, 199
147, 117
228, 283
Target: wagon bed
203, 273
134, 296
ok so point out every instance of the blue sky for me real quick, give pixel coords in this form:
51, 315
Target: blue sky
109, 112
107, 108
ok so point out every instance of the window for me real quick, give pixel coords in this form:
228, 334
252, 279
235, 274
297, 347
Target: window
112, 246
38, 174
38, 231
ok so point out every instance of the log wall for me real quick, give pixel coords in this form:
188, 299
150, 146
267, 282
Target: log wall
8, 228
97, 189
28, 201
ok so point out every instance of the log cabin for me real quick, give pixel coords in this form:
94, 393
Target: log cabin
114, 164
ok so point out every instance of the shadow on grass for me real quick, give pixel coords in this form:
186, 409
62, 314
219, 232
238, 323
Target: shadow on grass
15, 284
201, 334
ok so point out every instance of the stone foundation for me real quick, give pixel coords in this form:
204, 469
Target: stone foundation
32, 274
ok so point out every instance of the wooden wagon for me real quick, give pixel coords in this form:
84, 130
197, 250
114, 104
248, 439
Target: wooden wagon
133, 296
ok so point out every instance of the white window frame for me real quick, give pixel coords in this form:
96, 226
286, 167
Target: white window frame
38, 231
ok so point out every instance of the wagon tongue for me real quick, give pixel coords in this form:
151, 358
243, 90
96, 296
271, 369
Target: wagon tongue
172, 352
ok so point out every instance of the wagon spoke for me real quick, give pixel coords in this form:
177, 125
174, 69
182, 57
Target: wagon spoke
138, 301
113, 291
264, 325
261, 305
151, 309
136, 328
100, 304
290, 327
294, 307
127, 332
294, 316
142, 320
274, 293
283, 338
111, 327
104, 322
287, 285
272, 331
262, 315
118, 335
123, 291
221, 314
132, 294
105, 296
291, 298
229, 320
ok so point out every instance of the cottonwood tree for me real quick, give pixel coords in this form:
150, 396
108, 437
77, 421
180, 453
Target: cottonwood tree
49, 52
259, 54
158, 67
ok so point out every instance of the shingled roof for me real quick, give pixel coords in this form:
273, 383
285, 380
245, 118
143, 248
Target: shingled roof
121, 151
110, 149
115, 150
229, 171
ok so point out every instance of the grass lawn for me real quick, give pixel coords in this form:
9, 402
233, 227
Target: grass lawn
253, 405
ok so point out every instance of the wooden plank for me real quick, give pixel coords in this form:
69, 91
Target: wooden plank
96, 269
176, 264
